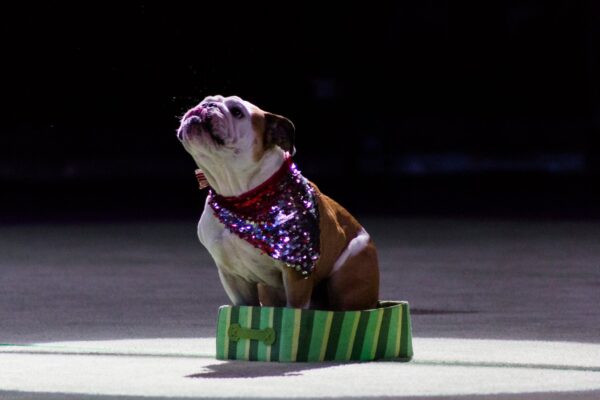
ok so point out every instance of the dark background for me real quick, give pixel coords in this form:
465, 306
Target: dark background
410, 108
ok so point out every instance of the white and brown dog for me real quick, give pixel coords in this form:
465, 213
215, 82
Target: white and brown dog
276, 239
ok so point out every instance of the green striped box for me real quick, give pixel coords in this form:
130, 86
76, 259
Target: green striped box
295, 335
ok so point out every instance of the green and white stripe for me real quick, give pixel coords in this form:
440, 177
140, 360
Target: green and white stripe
315, 335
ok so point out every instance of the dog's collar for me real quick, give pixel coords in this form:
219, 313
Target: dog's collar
285, 167
202, 181
280, 217
247, 199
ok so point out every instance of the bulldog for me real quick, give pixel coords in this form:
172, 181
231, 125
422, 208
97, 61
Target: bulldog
275, 238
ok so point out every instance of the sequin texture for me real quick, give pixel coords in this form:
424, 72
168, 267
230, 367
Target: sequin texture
280, 218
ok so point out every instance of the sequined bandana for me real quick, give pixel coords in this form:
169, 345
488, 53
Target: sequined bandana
280, 217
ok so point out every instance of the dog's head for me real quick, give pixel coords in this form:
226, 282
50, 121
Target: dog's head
229, 129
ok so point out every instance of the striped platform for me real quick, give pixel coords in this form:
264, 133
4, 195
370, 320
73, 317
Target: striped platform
291, 335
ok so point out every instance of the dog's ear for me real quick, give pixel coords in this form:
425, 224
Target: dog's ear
279, 131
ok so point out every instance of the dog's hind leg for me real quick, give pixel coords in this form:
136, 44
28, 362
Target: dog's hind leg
354, 282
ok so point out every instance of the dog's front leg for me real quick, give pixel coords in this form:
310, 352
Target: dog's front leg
271, 297
298, 291
240, 291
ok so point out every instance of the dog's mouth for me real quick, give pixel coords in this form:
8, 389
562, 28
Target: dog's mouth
202, 122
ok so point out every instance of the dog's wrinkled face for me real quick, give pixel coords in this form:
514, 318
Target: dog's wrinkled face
225, 128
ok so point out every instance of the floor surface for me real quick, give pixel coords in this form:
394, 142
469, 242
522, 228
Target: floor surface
500, 308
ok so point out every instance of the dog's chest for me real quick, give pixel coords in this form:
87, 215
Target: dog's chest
236, 256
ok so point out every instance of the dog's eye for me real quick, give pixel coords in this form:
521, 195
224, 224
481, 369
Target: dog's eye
237, 112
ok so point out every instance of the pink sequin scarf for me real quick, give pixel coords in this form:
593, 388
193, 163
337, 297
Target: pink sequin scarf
280, 217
